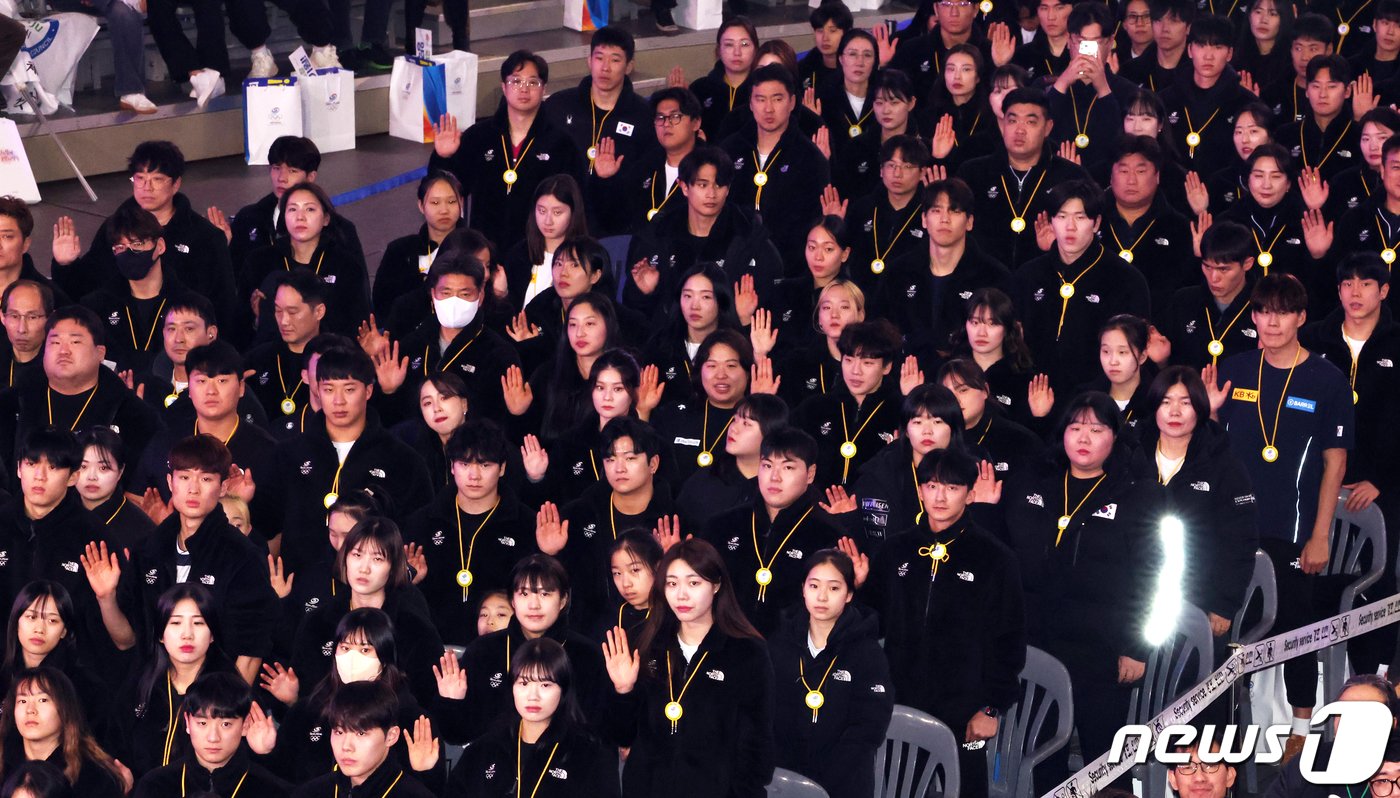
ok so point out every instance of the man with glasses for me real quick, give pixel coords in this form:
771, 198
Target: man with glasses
196, 251
886, 224
1197, 779
26, 305
1087, 98
502, 159
623, 194
603, 111
1135, 38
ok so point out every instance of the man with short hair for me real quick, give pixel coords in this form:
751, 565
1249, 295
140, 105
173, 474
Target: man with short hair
1374, 225
1211, 320
625, 196
604, 105
1048, 53
922, 55
1141, 227
1199, 779
829, 22
298, 305
1381, 58
363, 718
1087, 98
1313, 35
1327, 139
887, 224
1200, 106
26, 306
1166, 62
16, 235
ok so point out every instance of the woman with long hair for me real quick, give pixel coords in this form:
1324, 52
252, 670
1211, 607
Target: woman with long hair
442, 408
703, 303
789, 314
966, 127
559, 214
545, 729
1253, 129
693, 697
44, 723
1263, 47
43, 630
895, 112
633, 558
579, 265
992, 338
406, 260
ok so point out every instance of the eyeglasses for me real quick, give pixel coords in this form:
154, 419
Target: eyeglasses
14, 317
1383, 787
147, 246
742, 44
150, 181
1139, 19
524, 84
669, 120
900, 166
1190, 768
858, 55
957, 4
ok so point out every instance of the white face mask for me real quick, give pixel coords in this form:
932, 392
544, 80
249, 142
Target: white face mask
455, 312
356, 666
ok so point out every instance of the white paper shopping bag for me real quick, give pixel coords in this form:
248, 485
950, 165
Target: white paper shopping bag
328, 109
422, 90
699, 14
271, 109
586, 15
16, 175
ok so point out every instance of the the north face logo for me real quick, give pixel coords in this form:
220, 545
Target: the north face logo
206, 579
506, 541
841, 676
812, 384
1201, 486
1036, 499
377, 473
558, 773
4, 558
70, 567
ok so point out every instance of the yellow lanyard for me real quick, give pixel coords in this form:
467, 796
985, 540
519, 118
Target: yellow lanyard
1364, 185
760, 176
1193, 134
1344, 25
392, 785
857, 125
518, 738
983, 436
287, 264
1270, 452
848, 447
1216, 347
1266, 256
1387, 251
512, 173
169, 721
878, 265
234, 794
288, 400
1018, 220
623, 606
1303, 148
937, 554
74, 425
732, 91
915, 474
655, 209
118, 511
1126, 253
594, 463
596, 131
971, 130
448, 364
764, 575
1067, 291
814, 698
130, 325
1063, 522
705, 458
674, 711
330, 498
464, 576
1081, 138
236, 421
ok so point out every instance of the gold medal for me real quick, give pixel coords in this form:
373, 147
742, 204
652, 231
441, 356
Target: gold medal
673, 711
848, 449
1355, 397
704, 459
1215, 348
170, 399
985, 6
329, 499
1265, 259
1066, 290
288, 407
760, 179
651, 214
1081, 141
814, 699
1343, 29
1126, 255
1270, 454
464, 578
877, 266
853, 131
763, 577
938, 552
592, 153
1388, 255
509, 176
1193, 139
1017, 224
1063, 522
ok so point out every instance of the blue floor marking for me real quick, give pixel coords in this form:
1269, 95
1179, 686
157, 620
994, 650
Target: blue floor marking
365, 192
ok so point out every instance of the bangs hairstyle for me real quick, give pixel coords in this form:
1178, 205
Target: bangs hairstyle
1279, 293
640, 546
439, 176
702, 156
49, 592
1146, 146
625, 365
737, 21
728, 318
374, 628
836, 559
111, 448
963, 371
876, 339
790, 442
517, 61
731, 338
315, 190
75, 743
894, 84
457, 260
951, 466
133, 223
53, 444
340, 363
910, 148
158, 663
644, 438
17, 209
375, 534
1195, 393
359, 504
565, 189
80, 315
294, 151
216, 359
1385, 117
1364, 266
1211, 30
1262, 115
203, 453
363, 707
1133, 328
857, 296
661, 627
1009, 76
219, 695
448, 384
38, 779
831, 12
1086, 191
959, 195
540, 572
1315, 27
1274, 151
157, 156
686, 102
1338, 68
781, 50
479, 441
544, 660
1227, 243
1026, 96
935, 401
1093, 407
768, 410
303, 281
1388, 10
1145, 103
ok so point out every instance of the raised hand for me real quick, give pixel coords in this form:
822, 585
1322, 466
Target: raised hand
649, 391
860, 560
451, 679
1216, 393
423, 747
934, 174
761, 379
1070, 152
535, 459
520, 329
987, 488
832, 204
259, 731
944, 138
281, 682
103, 569
822, 138
762, 335
1044, 232
676, 78
240, 483
128, 378
67, 246
152, 504
645, 276
884, 48
1040, 396
517, 392
1317, 233
255, 300
667, 531
910, 375
1363, 96
809, 99
1247, 83
447, 137
1197, 195
622, 662
371, 338
417, 561
608, 162
1198, 229
838, 501
1003, 46
1312, 188
281, 580
1159, 346
745, 299
217, 218
390, 370
550, 532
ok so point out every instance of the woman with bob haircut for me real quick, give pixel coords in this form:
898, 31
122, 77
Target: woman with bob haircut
44, 723
694, 698
544, 736
43, 630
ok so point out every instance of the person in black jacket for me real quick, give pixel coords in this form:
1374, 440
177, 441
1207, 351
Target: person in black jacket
834, 697
543, 741
604, 105
965, 622
878, 242
695, 427
1201, 104
363, 721
694, 699
44, 723
993, 339
829, 21
278, 379
501, 160
43, 629
1209, 321
625, 196
633, 558
404, 267
733, 480
727, 85
990, 433
26, 305
100, 486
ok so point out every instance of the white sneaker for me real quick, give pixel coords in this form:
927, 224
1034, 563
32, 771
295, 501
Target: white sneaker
264, 65
324, 57
206, 84
137, 103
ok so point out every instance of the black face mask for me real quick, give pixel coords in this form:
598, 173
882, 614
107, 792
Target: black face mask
135, 265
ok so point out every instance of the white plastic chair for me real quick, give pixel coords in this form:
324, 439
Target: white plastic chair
1014, 752
919, 757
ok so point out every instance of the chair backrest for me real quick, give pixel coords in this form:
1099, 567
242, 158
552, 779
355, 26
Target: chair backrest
1354, 535
617, 247
786, 784
1015, 751
1263, 587
1180, 663
920, 752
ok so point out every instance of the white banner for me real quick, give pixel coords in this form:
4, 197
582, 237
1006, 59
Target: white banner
52, 48
16, 176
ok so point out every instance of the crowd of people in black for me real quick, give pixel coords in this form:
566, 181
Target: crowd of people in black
292, 531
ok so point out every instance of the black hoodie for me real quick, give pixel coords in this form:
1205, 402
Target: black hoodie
239, 773
796, 172
563, 763
834, 746
593, 526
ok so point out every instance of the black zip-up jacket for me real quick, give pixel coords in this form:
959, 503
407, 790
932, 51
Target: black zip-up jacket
722, 746
796, 174
127, 526
718, 99
304, 468
402, 270
666, 350
1193, 316
838, 116
340, 268
251, 447
593, 526
94, 780
836, 745
498, 210
196, 252
1330, 151
1221, 101
1089, 596
1370, 227
900, 235
1212, 496
1006, 444
178, 779
138, 726
974, 127
1008, 388
495, 541
921, 57
794, 308
807, 371
389, 776
1288, 100
964, 620
738, 241
620, 204
628, 123
223, 561
109, 404
682, 426
748, 541
822, 417
1104, 286
303, 754
1372, 458
252, 229
479, 356
1160, 245
489, 696
158, 387
1280, 232
710, 491
993, 232
929, 309
1081, 109
565, 762
133, 326
1351, 188
277, 377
